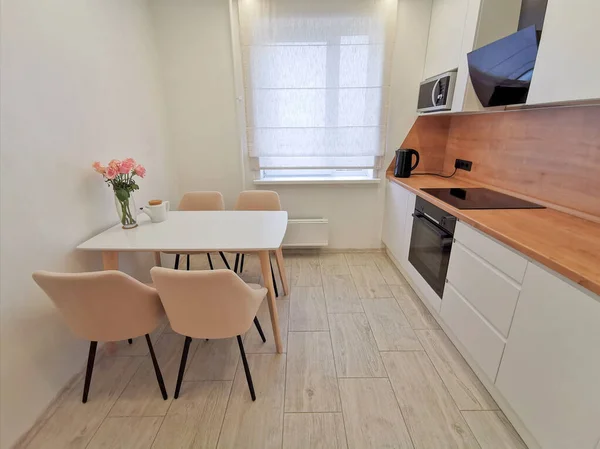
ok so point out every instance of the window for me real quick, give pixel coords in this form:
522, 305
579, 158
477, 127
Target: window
316, 82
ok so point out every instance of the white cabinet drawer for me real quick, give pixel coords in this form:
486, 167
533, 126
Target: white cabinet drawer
506, 260
487, 289
484, 344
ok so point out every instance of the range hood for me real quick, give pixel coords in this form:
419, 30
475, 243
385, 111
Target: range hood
501, 71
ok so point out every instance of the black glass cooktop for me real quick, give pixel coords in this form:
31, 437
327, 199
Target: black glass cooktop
480, 198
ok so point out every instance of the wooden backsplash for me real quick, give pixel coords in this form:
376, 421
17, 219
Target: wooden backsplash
549, 154
428, 135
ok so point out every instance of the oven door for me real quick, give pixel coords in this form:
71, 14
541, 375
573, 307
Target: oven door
429, 252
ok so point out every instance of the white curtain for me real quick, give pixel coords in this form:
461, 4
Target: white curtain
316, 78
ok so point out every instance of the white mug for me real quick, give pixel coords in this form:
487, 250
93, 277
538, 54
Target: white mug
157, 212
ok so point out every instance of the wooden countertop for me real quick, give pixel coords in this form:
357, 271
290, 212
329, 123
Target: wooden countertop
564, 243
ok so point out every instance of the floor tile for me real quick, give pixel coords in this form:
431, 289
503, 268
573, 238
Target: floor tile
306, 271
333, 264
73, 424
308, 311
251, 264
139, 346
311, 384
390, 273
417, 314
332, 383
314, 431
213, 360
389, 325
372, 416
142, 396
258, 424
126, 433
253, 344
360, 258
195, 418
369, 282
493, 430
462, 383
354, 347
433, 420
332, 259
334, 270
341, 295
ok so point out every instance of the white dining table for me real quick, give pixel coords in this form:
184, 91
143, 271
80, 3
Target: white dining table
258, 232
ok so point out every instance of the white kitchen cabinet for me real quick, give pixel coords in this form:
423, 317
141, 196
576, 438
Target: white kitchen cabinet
486, 288
500, 256
567, 67
445, 36
550, 371
394, 230
484, 343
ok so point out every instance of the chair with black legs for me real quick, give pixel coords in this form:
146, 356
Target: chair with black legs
200, 201
105, 306
209, 304
259, 200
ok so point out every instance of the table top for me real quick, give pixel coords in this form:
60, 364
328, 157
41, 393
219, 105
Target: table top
197, 231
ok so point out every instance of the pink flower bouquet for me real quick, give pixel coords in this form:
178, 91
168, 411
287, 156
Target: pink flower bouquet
120, 176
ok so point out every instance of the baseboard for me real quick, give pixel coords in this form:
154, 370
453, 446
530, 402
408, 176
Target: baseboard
514, 419
327, 250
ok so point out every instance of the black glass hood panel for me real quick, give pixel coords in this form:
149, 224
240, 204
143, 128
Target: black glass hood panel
501, 71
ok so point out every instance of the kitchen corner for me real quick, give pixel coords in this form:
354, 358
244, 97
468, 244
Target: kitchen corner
516, 290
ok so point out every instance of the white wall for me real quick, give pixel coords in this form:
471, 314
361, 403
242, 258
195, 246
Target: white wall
78, 84
195, 44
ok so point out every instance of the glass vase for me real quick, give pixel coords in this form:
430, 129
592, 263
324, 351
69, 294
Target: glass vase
126, 210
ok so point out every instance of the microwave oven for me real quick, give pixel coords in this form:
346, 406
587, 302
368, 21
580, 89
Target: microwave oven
435, 94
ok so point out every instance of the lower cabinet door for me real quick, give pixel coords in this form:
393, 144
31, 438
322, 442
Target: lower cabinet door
394, 219
550, 371
482, 341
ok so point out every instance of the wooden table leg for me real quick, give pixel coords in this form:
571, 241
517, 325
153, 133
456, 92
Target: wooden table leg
282, 275
157, 261
110, 260
265, 265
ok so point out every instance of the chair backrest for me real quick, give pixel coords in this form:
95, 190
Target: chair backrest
207, 304
194, 201
258, 200
103, 305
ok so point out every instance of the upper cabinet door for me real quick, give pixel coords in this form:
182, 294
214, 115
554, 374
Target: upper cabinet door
568, 66
550, 371
445, 36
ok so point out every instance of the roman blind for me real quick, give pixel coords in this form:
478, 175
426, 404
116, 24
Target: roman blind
316, 81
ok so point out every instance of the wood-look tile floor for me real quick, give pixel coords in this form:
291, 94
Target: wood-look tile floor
366, 366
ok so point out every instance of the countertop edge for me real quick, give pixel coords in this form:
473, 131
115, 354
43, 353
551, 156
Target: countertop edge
576, 277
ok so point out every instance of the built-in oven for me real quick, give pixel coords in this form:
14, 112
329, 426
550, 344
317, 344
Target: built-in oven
431, 242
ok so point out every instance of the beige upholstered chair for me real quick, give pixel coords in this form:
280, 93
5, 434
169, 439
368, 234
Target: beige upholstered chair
209, 304
256, 200
105, 306
198, 201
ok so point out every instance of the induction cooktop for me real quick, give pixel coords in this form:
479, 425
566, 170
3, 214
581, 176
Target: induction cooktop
480, 198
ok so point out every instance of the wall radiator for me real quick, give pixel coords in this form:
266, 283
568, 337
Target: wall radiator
306, 233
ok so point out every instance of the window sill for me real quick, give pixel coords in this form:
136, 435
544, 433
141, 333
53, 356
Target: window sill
315, 180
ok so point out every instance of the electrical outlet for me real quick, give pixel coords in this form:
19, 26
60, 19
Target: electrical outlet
462, 164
